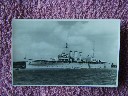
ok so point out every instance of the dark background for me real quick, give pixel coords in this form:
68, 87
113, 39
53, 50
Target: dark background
61, 9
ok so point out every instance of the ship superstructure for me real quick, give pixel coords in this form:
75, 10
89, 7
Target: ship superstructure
69, 56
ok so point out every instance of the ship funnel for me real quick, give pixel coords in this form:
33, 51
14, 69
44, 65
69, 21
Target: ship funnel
80, 55
71, 54
75, 55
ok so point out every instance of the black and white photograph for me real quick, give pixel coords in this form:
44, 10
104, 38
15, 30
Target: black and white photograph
65, 52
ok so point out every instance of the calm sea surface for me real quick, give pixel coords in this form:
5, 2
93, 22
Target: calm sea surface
65, 77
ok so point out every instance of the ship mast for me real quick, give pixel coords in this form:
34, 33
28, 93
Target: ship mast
93, 49
67, 39
66, 45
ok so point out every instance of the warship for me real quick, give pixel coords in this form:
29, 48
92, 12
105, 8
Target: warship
68, 59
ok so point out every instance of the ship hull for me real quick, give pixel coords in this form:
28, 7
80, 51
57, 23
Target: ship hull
65, 65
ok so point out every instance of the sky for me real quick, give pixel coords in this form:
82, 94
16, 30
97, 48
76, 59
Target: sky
45, 39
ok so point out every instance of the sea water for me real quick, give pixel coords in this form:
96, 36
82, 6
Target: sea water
65, 77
